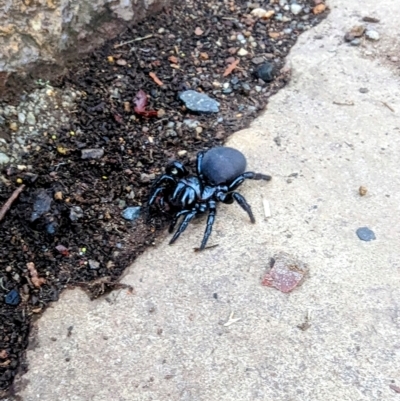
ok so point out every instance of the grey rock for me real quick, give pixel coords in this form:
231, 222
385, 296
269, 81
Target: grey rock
365, 234
131, 213
94, 264
75, 213
30, 118
92, 153
21, 117
192, 124
199, 102
41, 205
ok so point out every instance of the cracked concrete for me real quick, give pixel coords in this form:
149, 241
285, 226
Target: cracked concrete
169, 339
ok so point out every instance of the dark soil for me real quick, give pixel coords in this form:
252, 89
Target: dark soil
135, 150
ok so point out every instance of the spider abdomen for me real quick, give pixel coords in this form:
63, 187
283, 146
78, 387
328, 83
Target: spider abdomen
222, 165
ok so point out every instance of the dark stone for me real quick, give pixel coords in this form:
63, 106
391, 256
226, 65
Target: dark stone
51, 228
41, 205
199, 102
365, 234
266, 72
246, 89
13, 298
363, 90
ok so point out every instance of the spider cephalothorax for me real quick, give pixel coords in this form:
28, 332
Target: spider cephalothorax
220, 171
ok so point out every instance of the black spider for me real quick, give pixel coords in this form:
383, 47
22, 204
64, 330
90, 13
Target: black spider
220, 171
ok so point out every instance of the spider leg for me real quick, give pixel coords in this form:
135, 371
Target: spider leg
249, 176
184, 224
164, 177
199, 162
152, 199
175, 219
244, 205
210, 222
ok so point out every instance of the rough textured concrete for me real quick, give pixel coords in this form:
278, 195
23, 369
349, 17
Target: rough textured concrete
170, 339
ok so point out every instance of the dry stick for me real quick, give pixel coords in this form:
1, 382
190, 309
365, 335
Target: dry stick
10, 201
389, 107
133, 40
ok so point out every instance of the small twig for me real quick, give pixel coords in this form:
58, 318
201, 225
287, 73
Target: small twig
207, 247
344, 104
133, 40
10, 201
389, 107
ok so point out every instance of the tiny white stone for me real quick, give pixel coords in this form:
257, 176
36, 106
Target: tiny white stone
295, 8
21, 117
372, 35
242, 52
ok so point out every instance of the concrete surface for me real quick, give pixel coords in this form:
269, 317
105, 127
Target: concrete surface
170, 341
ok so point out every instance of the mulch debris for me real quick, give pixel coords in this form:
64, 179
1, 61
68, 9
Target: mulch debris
66, 227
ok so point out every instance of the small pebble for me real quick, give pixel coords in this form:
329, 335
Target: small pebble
21, 118
13, 298
51, 228
75, 213
257, 60
242, 52
192, 124
41, 205
93, 264
13, 126
199, 102
4, 158
363, 90
266, 72
295, 8
92, 153
362, 191
131, 213
372, 34
365, 234
30, 118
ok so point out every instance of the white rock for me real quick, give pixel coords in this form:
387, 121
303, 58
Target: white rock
295, 8
21, 117
372, 35
261, 13
4, 158
242, 52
